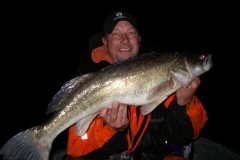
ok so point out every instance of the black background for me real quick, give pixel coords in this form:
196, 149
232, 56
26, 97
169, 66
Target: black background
43, 44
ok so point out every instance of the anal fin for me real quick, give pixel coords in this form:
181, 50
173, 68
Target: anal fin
82, 125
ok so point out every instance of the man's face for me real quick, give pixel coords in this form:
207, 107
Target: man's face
123, 42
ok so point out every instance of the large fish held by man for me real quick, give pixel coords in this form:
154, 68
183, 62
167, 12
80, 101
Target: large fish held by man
146, 80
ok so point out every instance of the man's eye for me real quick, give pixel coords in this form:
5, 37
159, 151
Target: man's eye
116, 35
132, 33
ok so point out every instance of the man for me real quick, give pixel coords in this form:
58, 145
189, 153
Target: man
123, 132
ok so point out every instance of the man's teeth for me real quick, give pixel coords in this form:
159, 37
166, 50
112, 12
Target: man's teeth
124, 49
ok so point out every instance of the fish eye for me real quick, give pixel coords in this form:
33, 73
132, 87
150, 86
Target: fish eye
203, 56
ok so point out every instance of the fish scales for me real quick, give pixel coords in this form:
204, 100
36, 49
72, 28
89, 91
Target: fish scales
145, 80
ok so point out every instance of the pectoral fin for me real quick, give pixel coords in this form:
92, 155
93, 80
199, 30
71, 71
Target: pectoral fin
81, 126
163, 91
147, 108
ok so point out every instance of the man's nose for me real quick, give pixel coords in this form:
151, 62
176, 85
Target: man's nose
125, 38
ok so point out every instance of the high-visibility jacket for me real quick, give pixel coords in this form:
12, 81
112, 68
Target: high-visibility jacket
170, 122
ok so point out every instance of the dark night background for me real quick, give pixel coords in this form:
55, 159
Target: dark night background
43, 45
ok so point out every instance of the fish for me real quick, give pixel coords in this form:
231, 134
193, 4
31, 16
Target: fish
145, 80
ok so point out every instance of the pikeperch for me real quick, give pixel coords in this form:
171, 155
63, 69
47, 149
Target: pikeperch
145, 80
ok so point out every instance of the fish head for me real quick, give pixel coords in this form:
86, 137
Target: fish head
187, 66
199, 63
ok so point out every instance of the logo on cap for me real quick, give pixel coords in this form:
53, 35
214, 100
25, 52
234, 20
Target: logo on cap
119, 15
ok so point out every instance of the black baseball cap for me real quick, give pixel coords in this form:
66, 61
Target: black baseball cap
115, 17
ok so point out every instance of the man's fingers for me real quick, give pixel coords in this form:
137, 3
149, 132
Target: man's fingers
116, 117
114, 111
104, 113
194, 84
122, 113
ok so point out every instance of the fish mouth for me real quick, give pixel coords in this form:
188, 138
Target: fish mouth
207, 64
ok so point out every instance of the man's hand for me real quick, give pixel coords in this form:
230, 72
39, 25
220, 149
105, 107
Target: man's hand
185, 94
116, 117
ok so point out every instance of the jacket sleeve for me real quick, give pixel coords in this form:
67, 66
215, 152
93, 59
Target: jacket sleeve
197, 115
100, 140
183, 123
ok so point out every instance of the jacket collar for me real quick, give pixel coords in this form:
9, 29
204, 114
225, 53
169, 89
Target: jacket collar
100, 54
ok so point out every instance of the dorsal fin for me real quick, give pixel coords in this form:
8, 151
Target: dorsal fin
65, 90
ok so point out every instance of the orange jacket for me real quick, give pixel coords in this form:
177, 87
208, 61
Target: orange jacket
99, 133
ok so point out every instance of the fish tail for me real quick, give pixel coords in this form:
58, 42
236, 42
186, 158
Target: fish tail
25, 146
